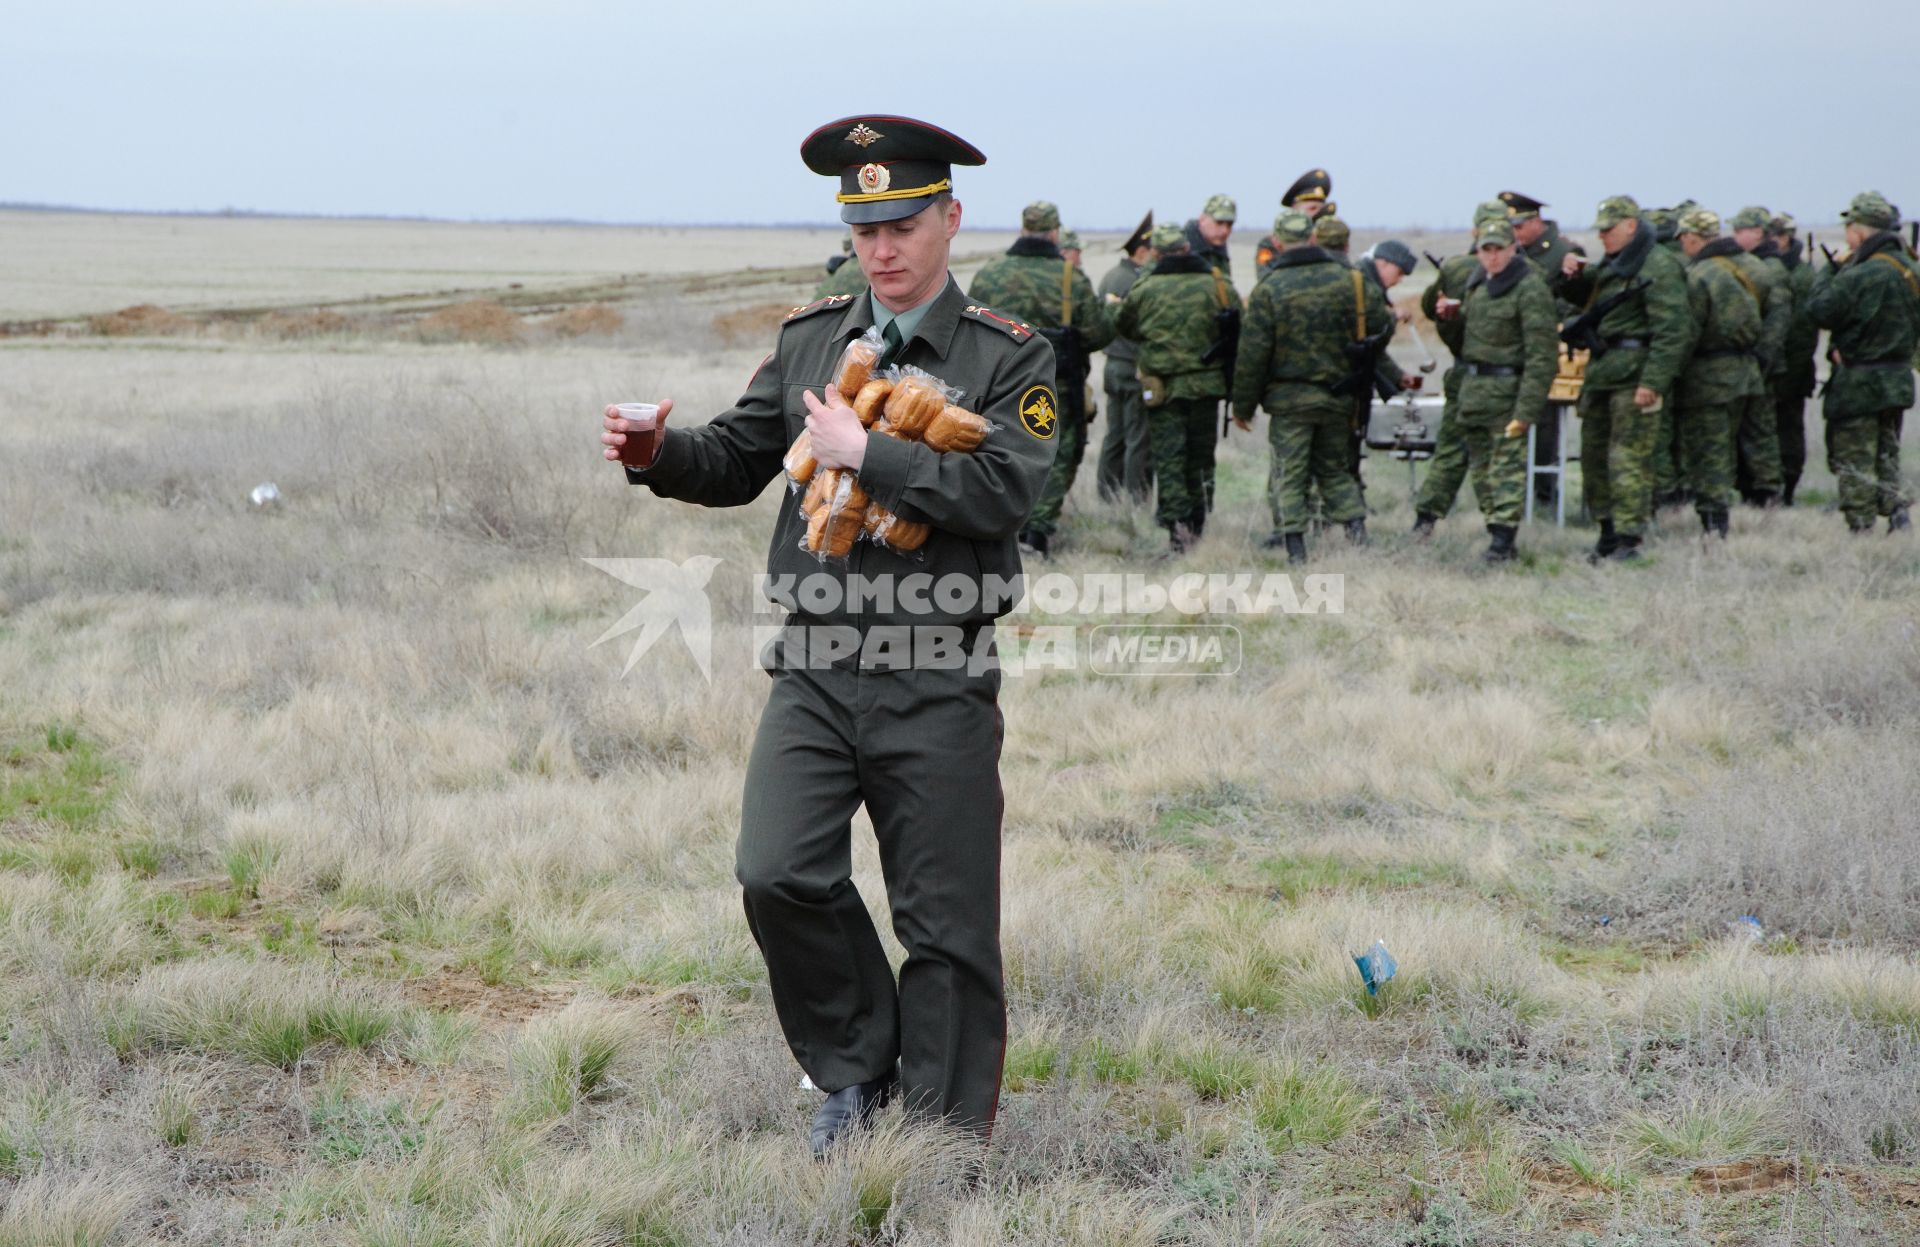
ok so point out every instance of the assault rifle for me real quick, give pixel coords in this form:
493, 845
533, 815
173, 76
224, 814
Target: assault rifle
1071, 365
1364, 354
1225, 349
1582, 333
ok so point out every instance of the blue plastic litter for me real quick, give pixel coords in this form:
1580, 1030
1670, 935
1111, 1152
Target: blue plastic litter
1749, 926
1376, 967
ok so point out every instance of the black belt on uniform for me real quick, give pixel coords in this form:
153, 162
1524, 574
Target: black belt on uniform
1626, 344
1489, 370
1880, 365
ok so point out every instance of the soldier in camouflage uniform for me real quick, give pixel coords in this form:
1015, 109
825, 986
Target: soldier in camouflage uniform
1309, 195
1793, 384
1170, 312
1447, 470
1669, 478
1758, 475
1870, 304
1541, 242
1126, 457
1034, 283
844, 277
1508, 351
1645, 336
1293, 352
1722, 375
1207, 233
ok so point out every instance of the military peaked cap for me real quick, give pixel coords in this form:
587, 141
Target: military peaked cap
1142, 234
1313, 184
1520, 206
889, 167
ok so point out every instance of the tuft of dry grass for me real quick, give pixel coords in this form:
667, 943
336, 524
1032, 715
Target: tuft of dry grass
588, 320
478, 320
143, 320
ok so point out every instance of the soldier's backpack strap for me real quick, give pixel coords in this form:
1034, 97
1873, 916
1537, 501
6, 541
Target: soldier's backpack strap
1359, 305
1220, 288
1066, 294
1741, 277
1906, 274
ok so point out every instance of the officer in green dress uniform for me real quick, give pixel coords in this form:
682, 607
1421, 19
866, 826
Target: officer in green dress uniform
868, 704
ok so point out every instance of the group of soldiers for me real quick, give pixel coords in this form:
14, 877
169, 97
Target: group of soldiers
1695, 346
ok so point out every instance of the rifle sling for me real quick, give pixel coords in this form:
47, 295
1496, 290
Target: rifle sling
1727, 263
1066, 294
1906, 274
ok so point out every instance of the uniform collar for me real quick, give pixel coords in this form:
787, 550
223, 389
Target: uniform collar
933, 322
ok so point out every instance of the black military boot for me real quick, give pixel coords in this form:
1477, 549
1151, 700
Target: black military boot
1178, 539
1607, 544
1296, 547
1273, 540
1786, 492
1357, 532
1197, 523
847, 1109
1626, 549
1898, 521
1719, 524
1033, 542
1501, 550
1423, 524
1765, 499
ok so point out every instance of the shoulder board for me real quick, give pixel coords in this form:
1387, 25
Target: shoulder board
1019, 331
818, 305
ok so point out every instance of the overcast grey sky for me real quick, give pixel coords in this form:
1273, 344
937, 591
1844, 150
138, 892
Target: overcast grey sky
693, 112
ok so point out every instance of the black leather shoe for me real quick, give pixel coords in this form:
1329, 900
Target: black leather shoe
1296, 548
847, 1109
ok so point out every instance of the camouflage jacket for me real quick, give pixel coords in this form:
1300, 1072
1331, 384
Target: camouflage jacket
1025, 284
1656, 315
1725, 300
1509, 320
847, 278
1170, 312
1216, 256
1777, 308
1113, 291
1298, 324
1871, 305
1796, 356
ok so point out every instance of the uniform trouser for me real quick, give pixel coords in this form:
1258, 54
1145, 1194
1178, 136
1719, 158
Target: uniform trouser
1864, 454
1707, 430
921, 748
1546, 436
1671, 470
1181, 434
1499, 462
1066, 465
1790, 425
1126, 452
1757, 468
1447, 470
1616, 458
1311, 447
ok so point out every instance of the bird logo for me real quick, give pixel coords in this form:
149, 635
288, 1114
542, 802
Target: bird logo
676, 593
1036, 412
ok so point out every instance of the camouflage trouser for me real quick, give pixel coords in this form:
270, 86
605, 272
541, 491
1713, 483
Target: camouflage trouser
1670, 467
1447, 470
1758, 448
1181, 434
1066, 465
1790, 426
1126, 455
1499, 462
1616, 458
1707, 431
1864, 454
1312, 445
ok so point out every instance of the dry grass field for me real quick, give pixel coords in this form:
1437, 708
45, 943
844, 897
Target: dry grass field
349, 897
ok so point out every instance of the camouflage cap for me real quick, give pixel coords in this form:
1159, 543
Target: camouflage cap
1782, 225
1702, 221
1491, 210
1221, 208
1168, 237
1613, 210
1070, 240
1871, 209
1293, 227
1396, 253
1494, 234
1331, 232
1684, 205
1039, 217
1750, 217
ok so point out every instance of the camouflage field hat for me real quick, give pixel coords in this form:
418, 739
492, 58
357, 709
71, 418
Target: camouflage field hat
1331, 232
1291, 226
1871, 209
1782, 226
1221, 208
1491, 210
1750, 217
1168, 237
1494, 234
1039, 217
1702, 221
1613, 210
1070, 240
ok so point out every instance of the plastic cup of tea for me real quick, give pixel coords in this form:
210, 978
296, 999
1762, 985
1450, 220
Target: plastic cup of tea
644, 415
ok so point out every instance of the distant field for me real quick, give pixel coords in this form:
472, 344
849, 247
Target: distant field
349, 897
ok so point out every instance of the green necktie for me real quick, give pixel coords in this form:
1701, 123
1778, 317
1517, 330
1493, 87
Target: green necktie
892, 335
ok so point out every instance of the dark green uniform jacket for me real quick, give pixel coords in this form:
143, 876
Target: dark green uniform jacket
1796, 364
1509, 323
1723, 366
1776, 304
1656, 318
1216, 256
1170, 311
975, 502
1298, 322
1387, 375
1871, 305
1115, 286
1548, 252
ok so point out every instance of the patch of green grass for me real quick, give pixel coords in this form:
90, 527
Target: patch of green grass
140, 857
561, 1060
1105, 1061
1589, 1168
1722, 1130
1031, 1061
347, 1128
219, 904
247, 860
1295, 1106
1611, 960
58, 777
1294, 876
1216, 1072
437, 1038
354, 1022
1246, 979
